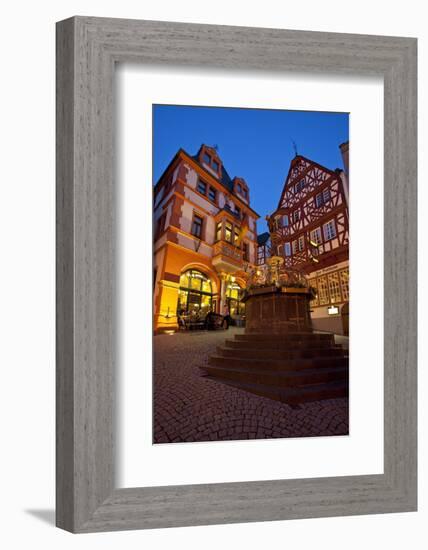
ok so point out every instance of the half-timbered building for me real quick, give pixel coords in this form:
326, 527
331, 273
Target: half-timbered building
205, 239
310, 230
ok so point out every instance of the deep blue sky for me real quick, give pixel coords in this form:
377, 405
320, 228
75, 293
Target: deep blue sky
255, 144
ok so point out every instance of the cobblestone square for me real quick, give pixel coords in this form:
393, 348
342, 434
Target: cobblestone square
189, 407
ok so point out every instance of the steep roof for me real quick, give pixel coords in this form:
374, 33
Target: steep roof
263, 238
299, 168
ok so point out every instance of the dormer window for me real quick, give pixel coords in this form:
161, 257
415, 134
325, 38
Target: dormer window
209, 158
244, 193
239, 188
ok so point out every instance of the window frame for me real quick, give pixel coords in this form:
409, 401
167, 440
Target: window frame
325, 229
196, 215
204, 183
212, 189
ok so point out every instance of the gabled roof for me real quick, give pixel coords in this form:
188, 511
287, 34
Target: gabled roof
263, 238
299, 166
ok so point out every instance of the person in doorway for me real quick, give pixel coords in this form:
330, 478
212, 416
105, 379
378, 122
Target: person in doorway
226, 316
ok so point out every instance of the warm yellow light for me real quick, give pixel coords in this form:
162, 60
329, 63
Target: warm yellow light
232, 279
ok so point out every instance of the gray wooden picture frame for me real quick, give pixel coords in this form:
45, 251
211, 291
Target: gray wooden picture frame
87, 50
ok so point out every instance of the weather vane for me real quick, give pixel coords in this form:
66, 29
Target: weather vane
294, 147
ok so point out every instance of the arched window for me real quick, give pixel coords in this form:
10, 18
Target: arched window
195, 295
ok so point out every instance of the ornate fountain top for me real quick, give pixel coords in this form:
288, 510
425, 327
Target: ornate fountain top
275, 274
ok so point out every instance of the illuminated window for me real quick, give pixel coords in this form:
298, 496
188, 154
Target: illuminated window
195, 295
235, 236
313, 284
329, 230
323, 291
334, 288
344, 284
228, 232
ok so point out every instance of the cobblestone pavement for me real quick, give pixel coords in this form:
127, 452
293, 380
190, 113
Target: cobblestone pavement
189, 407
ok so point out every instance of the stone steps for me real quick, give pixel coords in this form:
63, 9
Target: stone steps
292, 368
282, 378
276, 364
279, 353
288, 337
284, 345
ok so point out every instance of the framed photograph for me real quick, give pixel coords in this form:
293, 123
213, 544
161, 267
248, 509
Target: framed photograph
236, 274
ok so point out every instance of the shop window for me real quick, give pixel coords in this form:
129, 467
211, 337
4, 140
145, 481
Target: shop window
323, 291
344, 284
334, 288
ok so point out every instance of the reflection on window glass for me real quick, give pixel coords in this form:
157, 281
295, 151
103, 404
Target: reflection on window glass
236, 236
333, 287
313, 284
218, 232
344, 283
184, 280
323, 291
228, 232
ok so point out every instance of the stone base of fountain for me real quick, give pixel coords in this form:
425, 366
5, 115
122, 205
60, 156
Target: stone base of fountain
272, 310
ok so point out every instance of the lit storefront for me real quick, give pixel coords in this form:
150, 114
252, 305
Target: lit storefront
195, 294
234, 295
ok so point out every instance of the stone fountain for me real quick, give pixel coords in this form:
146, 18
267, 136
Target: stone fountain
279, 356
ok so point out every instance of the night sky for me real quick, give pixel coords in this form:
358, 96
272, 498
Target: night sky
256, 144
